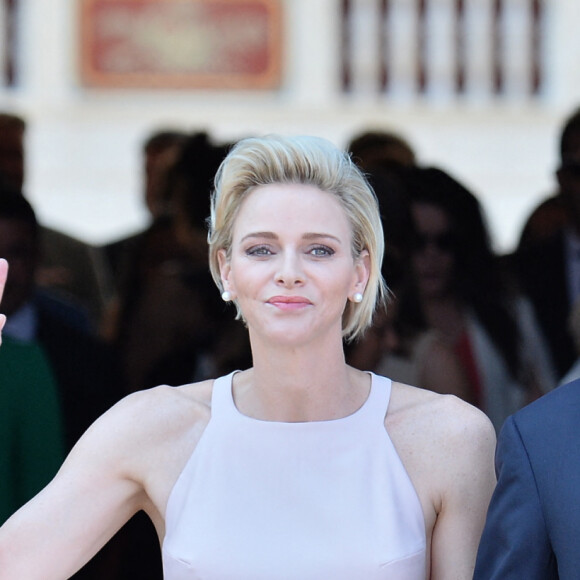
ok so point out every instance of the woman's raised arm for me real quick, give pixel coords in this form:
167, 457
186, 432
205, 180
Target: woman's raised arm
95, 492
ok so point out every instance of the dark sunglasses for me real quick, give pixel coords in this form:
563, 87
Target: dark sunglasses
445, 242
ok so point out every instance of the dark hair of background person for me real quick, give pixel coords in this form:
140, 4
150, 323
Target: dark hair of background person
12, 121
21, 247
12, 129
384, 156
14, 206
399, 231
191, 179
555, 212
160, 149
163, 138
570, 136
377, 148
478, 279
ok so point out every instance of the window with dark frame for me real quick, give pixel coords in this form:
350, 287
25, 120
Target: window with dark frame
536, 10
7, 37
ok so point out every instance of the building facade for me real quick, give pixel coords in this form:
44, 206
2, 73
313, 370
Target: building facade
478, 87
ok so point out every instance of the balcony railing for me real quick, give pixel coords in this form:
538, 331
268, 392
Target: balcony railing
477, 48
409, 49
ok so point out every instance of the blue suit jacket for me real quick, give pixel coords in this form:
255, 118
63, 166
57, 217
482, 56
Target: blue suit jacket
533, 522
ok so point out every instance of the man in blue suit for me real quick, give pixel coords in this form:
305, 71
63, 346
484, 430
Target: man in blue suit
533, 523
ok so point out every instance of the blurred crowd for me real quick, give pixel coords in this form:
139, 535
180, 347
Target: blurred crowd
88, 325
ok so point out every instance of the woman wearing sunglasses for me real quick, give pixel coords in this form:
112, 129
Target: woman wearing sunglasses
463, 294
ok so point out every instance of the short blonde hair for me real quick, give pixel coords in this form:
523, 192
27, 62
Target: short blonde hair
313, 161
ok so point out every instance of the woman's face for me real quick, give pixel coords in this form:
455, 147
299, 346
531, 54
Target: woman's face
291, 267
433, 252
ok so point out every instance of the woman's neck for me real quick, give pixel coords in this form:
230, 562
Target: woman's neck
300, 385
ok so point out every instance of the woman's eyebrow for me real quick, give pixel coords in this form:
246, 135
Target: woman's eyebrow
307, 236
267, 235
316, 236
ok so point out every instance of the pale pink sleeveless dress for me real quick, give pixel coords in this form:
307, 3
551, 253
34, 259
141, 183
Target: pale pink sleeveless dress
325, 500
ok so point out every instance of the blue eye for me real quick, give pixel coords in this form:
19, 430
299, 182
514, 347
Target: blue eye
321, 251
259, 251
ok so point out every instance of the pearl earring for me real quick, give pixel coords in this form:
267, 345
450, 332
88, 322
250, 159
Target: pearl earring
357, 297
226, 296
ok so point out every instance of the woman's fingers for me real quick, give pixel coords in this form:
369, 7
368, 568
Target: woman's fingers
3, 274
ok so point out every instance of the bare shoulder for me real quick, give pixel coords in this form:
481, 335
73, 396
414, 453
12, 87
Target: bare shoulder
149, 434
169, 408
446, 446
147, 438
444, 443
152, 413
436, 417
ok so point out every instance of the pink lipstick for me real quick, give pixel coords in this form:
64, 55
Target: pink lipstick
289, 302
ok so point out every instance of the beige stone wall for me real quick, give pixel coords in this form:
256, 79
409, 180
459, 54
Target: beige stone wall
84, 145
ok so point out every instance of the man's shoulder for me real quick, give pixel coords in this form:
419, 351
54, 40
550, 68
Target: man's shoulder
553, 405
549, 421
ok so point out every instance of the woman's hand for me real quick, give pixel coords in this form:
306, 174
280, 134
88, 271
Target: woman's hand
3, 274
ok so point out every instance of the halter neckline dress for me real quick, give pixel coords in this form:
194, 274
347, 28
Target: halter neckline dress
266, 500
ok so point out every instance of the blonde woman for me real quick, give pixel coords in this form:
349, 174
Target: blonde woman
301, 466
